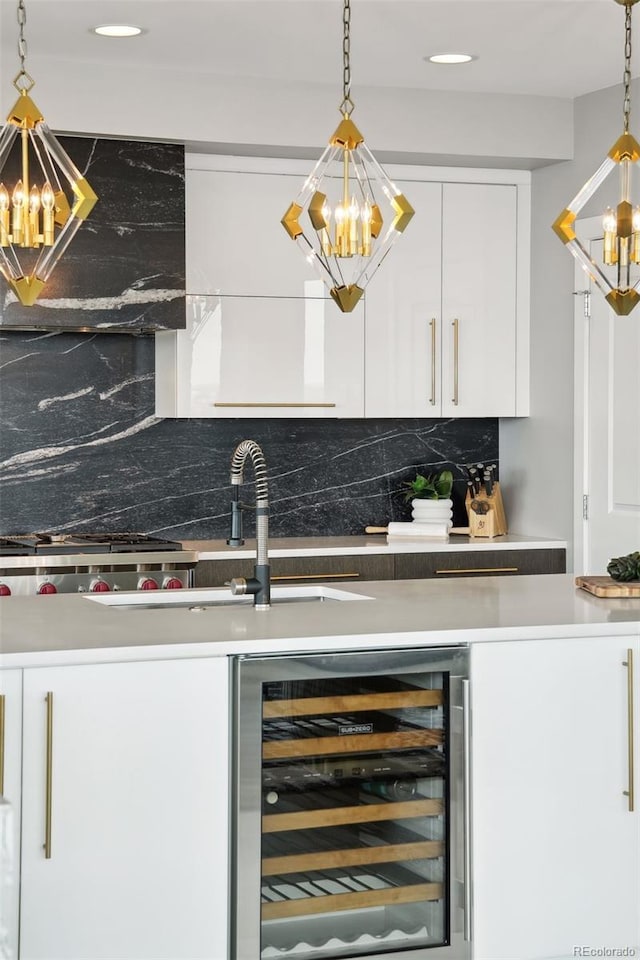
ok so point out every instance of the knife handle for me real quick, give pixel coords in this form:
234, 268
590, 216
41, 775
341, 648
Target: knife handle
376, 529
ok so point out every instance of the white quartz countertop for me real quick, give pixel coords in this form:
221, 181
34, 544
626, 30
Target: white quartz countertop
372, 543
71, 628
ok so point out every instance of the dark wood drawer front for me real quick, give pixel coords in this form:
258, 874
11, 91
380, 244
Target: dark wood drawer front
216, 573
292, 570
306, 569
498, 563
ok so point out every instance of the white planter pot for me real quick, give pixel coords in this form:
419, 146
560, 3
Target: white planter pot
425, 510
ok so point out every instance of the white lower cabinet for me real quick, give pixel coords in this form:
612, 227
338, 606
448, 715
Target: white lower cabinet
10, 791
139, 805
138, 817
556, 849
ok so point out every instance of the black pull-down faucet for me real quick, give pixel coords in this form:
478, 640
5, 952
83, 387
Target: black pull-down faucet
259, 586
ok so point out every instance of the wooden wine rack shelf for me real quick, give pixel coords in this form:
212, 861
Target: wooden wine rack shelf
352, 901
363, 813
316, 706
319, 746
330, 859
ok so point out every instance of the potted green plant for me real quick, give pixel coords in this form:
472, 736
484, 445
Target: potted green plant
435, 486
430, 496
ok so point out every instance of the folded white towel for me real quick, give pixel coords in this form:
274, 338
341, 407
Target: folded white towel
436, 529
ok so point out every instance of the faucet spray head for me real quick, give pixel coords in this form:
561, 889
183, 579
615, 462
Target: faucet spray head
235, 537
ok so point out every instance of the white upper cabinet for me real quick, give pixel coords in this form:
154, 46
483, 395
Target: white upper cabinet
263, 357
479, 300
235, 243
442, 330
403, 315
263, 338
447, 314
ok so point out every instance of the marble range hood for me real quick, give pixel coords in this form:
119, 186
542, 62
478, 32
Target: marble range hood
125, 269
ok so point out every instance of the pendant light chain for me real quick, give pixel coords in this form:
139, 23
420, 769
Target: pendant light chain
346, 106
627, 66
23, 80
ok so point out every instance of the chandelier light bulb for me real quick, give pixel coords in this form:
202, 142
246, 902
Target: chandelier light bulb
48, 199
609, 221
4, 216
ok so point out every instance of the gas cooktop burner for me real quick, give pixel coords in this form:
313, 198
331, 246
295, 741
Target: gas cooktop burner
15, 547
65, 543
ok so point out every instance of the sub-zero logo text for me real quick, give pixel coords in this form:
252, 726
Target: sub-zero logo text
356, 728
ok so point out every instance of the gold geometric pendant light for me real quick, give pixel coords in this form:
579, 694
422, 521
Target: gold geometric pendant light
38, 215
618, 274
348, 214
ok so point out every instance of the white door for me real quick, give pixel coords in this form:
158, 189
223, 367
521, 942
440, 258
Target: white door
138, 839
608, 367
556, 849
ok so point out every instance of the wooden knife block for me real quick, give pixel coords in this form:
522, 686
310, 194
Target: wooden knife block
490, 524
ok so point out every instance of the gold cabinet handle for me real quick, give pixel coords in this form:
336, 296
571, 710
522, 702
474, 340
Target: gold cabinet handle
630, 791
481, 570
313, 576
432, 324
49, 777
284, 403
456, 356
2, 703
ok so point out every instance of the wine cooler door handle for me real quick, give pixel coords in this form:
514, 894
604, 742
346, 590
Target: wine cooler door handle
466, 740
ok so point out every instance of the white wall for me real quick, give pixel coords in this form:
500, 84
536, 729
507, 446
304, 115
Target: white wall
536, 454
296, 118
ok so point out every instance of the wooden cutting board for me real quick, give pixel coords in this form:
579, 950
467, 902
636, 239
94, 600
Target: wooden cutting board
608, 587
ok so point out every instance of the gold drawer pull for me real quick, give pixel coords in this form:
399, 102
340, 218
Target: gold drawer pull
630, 792
312, 576
482, 570
456, 358
49, 777
432, 324
2, 702
283, 404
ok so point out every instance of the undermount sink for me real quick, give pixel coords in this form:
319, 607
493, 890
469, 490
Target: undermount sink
199, 599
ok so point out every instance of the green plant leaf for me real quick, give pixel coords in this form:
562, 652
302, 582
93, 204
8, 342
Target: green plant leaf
433, 487
444, 485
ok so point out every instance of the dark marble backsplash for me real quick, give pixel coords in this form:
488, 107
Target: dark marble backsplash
81, 450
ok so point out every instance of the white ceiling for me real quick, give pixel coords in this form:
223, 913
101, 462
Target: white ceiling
561, 48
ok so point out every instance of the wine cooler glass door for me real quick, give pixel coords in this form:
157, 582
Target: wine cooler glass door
350, 806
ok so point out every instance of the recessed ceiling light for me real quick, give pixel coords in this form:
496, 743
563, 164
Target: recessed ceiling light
117, 30
451, 58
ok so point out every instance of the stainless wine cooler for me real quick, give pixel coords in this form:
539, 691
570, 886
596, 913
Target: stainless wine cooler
350, 820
